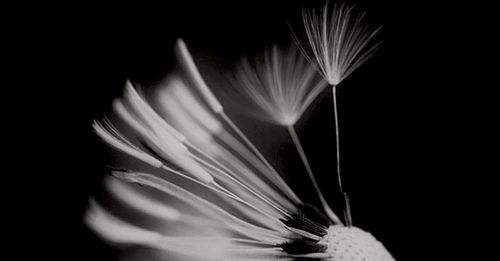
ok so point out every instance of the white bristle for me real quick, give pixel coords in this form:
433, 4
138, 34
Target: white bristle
193, 107
115, 230
282, 84
138, 201
189, 65
339, 40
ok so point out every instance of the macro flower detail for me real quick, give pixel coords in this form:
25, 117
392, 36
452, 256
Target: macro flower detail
339, 41
188, 184
282, 84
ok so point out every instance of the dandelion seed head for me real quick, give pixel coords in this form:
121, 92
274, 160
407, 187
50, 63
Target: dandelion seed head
220, 197
339, 40
281, 83
238, 216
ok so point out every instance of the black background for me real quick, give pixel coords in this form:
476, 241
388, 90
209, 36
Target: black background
405, 115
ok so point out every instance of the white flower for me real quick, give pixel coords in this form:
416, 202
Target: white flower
282, 84
340, 40
206, 192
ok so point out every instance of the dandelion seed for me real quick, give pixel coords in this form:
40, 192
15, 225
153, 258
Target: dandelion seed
282, 84
206, 192
339, 40
340, 43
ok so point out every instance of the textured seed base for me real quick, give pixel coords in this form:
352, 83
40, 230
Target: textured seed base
354, 244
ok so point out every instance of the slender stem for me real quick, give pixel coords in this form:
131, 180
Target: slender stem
212, 186
347, 214
242, 201
337, 136
277, 178
300, 150
229, 174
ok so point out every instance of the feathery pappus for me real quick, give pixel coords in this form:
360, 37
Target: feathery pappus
198, 187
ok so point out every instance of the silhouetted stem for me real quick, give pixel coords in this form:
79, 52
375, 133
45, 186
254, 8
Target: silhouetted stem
300, 150
347, 214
